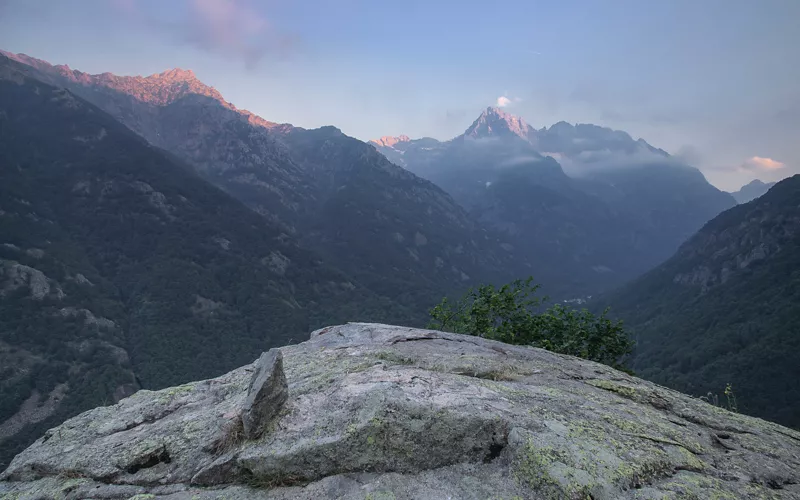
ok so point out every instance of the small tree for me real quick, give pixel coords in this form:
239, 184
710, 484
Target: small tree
509, 314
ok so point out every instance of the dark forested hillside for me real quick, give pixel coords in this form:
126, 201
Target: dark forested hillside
724, 308
120, 268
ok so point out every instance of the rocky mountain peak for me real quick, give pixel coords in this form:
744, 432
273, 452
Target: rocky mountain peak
160, 89
174, 75
388, 141
494, 122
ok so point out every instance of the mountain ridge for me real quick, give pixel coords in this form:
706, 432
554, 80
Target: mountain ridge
149, 89
752, 190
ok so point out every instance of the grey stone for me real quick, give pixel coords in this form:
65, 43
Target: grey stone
266, 394
387, 412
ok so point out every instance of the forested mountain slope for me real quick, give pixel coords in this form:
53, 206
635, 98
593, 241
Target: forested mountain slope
724, 308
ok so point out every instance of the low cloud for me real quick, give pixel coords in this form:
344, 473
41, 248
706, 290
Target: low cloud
505, 101
754, 164
588, 162
758, 163
519, 160
231, 28
689, 154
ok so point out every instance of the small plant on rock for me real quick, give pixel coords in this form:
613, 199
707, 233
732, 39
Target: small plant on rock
730, 397
232, 436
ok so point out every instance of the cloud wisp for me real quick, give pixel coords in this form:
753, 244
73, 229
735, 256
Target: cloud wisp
231, 28
757, 163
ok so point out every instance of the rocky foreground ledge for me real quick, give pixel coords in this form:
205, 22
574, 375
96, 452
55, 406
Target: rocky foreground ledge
368, 411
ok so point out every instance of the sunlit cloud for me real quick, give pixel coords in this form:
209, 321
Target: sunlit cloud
764, 164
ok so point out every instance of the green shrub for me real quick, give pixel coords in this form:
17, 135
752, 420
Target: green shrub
514, 314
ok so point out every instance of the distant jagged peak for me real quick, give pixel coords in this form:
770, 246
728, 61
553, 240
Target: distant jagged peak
160, 88
561, 128
388, 141
494, 122
174, 74
758, 183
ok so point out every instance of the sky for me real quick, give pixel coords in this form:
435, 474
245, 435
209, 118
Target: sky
716, 82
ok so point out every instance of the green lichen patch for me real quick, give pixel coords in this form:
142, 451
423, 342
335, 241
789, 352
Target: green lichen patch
623, 390
581, 459
693, 486
380, 495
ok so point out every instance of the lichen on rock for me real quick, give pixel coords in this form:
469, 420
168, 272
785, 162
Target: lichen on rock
376, 411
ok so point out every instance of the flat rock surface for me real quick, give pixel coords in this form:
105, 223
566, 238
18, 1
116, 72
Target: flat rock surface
385, 412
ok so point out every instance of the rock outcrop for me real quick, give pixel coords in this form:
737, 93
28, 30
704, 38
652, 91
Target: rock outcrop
265, 396
376, 411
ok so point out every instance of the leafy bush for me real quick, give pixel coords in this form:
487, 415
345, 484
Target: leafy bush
513, 314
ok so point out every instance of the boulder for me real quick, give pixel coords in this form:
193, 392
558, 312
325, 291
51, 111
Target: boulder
385, 412
265, 395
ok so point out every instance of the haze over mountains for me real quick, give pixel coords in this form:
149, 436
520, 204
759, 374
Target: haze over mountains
585, 198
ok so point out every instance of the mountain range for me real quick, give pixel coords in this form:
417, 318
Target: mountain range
591, 202
396, 233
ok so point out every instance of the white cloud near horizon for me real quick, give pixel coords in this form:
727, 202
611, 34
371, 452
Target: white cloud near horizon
760, 163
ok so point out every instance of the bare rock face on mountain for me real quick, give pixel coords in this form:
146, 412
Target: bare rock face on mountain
376, 411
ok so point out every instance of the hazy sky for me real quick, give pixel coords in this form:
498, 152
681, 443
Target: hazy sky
716, 81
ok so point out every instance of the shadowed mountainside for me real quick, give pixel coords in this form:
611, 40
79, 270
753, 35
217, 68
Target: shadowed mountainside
724, 308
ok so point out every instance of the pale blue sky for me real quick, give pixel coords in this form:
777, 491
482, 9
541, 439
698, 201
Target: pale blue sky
717, 81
